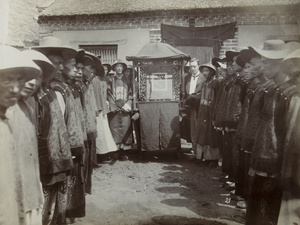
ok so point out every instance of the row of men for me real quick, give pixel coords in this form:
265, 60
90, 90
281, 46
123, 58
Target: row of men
55, 102
251, 117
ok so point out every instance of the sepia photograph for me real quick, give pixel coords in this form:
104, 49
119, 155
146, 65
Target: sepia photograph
161, 112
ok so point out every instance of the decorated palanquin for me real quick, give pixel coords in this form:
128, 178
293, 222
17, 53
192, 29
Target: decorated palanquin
159, 69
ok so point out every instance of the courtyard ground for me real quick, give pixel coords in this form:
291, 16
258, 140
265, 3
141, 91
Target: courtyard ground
159, 189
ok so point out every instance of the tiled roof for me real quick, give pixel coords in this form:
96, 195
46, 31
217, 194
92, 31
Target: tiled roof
99, 7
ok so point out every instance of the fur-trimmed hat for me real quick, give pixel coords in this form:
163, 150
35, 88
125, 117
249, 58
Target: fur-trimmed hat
99, 70
230, 55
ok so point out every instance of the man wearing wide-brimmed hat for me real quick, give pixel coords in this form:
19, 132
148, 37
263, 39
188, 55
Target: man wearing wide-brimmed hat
120, 103
15, 70
107, 70
289, 110
53, 142
23, 121
131, 75
250, 61
207, 138
74, 118
227, 110
104, 141
265, 160
220, 65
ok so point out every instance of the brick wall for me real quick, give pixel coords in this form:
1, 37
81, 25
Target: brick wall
152, 21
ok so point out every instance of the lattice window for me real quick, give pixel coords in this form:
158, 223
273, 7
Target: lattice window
109, 53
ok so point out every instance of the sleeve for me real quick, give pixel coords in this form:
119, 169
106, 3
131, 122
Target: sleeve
110, 98
61, 102
128, 104
291, 152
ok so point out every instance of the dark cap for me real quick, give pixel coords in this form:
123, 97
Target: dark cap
230, 55
247, 54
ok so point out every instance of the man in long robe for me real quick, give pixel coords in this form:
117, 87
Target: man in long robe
15, 70
55, 155
289, 111
120, 102
207, 137
266, 156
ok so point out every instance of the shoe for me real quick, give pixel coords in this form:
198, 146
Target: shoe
123, 158
223, 179
241, 204
113, 161
70, 220
220, 163
230, 186
237, 198
96, 166
213, 165
198, 161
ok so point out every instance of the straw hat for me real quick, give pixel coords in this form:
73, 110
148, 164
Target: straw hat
97, 64
11, 59
55, 44
108, 66
209, 65
119, 61
291, 63
274, 49
41, 60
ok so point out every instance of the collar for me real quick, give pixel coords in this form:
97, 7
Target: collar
2, 112
119, 76
196, 75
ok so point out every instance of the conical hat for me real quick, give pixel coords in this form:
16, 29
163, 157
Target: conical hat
209, 65
119, 61
41, 60
11, 59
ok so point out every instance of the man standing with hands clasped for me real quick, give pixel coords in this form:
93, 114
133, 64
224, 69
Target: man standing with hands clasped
191, 98
120, 102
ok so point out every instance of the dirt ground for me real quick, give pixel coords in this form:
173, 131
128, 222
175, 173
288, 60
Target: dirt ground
159, 189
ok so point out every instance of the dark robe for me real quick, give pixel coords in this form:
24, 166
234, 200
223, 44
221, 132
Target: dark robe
119, 94
287, 117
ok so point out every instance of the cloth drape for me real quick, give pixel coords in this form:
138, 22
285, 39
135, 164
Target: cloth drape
159, 125
203, 53
198, 36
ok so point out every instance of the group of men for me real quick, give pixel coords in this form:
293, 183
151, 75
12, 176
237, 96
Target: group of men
244, 113
59, 112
